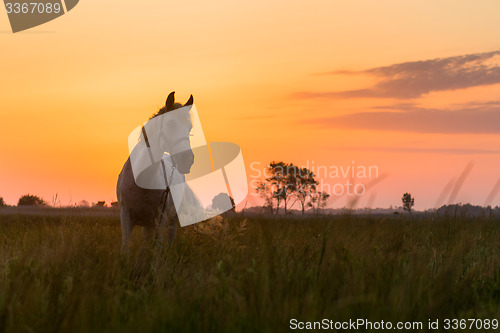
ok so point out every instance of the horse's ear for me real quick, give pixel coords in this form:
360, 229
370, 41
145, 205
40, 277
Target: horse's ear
190, 101
170, 101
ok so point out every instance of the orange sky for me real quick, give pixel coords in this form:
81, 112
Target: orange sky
72, 90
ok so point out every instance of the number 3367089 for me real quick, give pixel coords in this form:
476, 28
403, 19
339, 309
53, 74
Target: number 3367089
33, 8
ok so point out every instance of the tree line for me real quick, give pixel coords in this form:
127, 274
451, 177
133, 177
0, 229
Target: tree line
35, 200
26, 200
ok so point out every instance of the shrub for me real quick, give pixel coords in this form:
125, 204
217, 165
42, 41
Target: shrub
31, 200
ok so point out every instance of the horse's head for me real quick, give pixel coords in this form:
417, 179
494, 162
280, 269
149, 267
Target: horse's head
176, 128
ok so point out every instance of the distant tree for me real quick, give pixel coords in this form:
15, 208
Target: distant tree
115, 204
265, 192
276, 181
318, 200
2, 202
31, 200
287, 181
84, 203
305, 186
408, 202
100, 204
282, 181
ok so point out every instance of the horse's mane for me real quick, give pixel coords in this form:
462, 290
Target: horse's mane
163, 110
186, 116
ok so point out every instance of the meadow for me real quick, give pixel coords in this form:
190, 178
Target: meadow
245, 273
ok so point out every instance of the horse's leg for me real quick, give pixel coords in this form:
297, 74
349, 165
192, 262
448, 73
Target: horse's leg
168, 224
168, 230
148, 233
171, 229
127, 226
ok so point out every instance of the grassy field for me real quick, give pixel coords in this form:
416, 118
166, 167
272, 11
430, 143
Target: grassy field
65, 273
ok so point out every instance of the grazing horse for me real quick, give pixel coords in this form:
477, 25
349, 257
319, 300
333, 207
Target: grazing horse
144, 206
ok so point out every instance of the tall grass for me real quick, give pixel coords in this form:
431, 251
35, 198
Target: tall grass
64, 273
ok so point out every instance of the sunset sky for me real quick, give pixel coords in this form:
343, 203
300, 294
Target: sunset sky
409, 87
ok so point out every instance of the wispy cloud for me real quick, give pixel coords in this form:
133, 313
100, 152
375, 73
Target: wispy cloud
417, 150
471, 118
256, 117
413, 79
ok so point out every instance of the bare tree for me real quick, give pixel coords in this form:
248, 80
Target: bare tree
265, 192
282, 181
287, 180
318, 200
305, 185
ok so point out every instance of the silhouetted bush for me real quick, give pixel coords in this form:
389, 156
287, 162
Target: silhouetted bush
31, 200
220, 202
2, 202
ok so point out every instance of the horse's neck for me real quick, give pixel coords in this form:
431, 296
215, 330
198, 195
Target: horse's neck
144, 159
152, 154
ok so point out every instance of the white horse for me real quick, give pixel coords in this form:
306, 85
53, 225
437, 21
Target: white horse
140, 205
